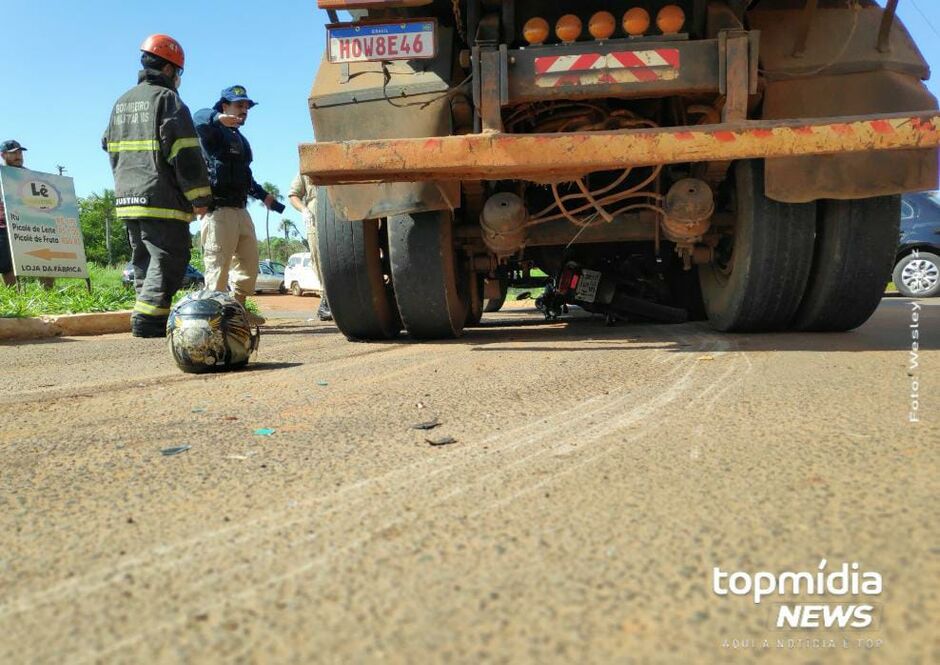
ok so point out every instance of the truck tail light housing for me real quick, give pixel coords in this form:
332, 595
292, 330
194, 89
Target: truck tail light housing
636, 21
670, 19
535, 31
568, 28
602, 25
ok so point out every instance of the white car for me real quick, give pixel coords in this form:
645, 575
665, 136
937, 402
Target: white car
300, 277
270, 278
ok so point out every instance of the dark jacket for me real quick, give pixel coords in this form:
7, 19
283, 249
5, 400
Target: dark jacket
228, 157
158, 168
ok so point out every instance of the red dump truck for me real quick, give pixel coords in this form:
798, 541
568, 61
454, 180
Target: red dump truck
739, 161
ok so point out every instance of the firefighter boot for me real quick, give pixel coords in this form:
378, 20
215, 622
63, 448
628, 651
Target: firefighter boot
143, 325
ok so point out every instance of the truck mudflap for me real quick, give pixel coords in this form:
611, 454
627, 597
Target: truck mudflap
562, 156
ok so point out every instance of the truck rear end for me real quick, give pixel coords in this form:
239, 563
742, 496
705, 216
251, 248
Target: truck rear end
734, 160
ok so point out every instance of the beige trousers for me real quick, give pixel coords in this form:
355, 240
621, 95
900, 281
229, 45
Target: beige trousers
229, 245
314, 249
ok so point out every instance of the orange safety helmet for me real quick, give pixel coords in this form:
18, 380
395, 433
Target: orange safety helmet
164, 46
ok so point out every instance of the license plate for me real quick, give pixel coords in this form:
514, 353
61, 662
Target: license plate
587, 287
412, 40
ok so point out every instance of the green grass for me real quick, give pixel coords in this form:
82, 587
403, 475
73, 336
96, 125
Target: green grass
71, 296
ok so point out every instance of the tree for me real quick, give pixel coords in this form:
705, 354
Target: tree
274, 191
288, 228
105, 236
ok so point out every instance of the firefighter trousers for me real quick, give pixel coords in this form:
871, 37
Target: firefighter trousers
160, 252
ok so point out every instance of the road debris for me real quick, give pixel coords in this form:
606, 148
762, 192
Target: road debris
199, 409
240, 457
441, 440
265, 431
428, 424
323, 383
175, 450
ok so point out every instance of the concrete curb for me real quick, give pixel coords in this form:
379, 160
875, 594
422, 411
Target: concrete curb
99, 323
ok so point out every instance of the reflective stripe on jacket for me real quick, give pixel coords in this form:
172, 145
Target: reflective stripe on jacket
159, 172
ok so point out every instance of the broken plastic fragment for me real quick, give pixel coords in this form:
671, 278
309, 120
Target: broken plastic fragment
264, 431
176, 450
322, 383
441, 440
199, 409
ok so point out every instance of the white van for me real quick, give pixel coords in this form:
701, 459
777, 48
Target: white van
300, 277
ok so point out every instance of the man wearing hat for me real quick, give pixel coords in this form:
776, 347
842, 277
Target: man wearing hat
11, 153
228, 234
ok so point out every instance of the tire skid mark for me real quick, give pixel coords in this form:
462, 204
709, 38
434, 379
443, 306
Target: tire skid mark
598, 432
517, 437
525, 434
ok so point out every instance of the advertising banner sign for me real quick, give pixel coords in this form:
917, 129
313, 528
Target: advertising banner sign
42, 224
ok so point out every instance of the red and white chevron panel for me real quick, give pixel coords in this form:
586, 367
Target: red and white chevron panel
609, 68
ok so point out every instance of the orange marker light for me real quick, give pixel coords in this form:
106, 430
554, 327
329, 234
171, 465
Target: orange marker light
535, 30
602, 25
568, 28
636, 21
670, 19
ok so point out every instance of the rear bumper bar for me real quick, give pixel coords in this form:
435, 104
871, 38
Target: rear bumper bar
548, 157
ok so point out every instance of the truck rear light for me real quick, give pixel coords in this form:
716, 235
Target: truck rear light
535, 30
670, 19
568, 28
568, 279
602, 25
636, 21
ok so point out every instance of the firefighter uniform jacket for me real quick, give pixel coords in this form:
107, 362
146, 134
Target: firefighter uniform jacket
159, 172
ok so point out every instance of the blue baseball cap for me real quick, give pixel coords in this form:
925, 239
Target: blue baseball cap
11, 146
235, 93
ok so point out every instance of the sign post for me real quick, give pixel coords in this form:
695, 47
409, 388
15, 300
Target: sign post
42, 222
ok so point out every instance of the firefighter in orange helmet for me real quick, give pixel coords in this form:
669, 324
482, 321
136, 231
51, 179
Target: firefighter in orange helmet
160, 180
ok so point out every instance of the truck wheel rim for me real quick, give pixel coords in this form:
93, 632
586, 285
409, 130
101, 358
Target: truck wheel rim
920, 276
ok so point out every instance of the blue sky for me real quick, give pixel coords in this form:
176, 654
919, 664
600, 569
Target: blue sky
65, 62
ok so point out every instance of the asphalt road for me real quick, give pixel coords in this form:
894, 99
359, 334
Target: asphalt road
598, 476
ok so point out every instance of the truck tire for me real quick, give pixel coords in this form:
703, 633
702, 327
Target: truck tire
757, 280
429, 289
855, 245
918, 276
361, 294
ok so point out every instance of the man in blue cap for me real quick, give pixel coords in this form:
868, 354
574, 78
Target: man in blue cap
11, 154
228, 234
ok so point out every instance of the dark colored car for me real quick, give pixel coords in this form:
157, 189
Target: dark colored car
192, 280
917, 266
